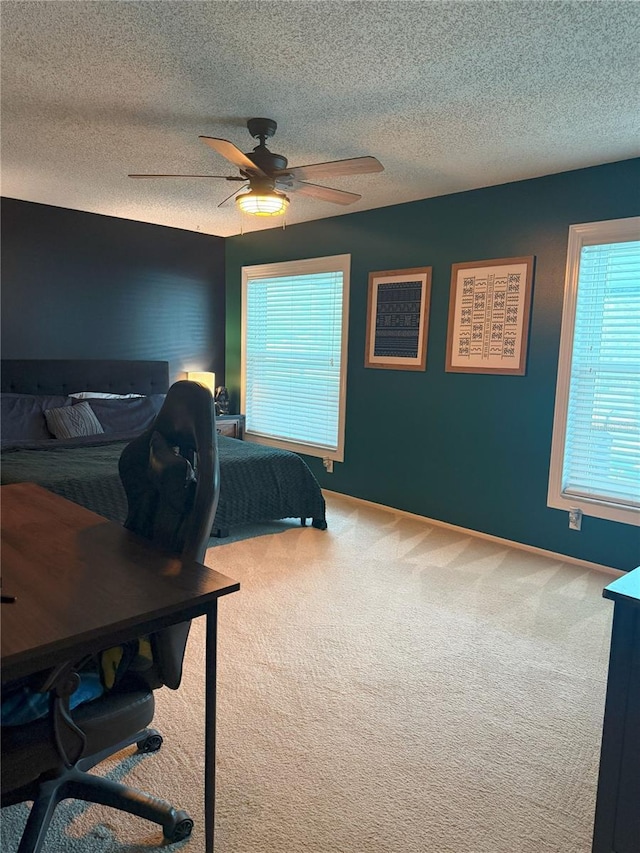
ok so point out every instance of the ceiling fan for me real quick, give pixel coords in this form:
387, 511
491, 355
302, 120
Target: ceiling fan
268, 176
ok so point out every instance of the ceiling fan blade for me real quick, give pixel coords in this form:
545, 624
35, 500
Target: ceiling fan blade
232, 153
223, 177
323, 193
335, 168
224, 201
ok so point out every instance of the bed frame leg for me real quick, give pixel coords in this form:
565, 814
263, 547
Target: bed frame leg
220, 533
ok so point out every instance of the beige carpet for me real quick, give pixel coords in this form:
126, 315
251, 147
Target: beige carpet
385, 686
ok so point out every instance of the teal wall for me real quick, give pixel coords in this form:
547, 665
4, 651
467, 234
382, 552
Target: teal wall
468, 449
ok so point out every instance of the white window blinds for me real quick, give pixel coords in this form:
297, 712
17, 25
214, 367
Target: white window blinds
293, 361
602, 441
595, 449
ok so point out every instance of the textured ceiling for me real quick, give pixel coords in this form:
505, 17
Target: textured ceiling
448, 96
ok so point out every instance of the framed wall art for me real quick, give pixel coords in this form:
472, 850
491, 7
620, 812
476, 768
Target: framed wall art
398, 318
489, 307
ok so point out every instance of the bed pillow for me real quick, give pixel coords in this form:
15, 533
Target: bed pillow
22, 415
73, 421
102, 395
118, 415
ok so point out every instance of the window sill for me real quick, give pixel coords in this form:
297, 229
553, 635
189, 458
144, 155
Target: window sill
596, 509
295, 447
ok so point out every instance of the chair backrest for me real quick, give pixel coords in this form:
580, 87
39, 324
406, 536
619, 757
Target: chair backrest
170, 474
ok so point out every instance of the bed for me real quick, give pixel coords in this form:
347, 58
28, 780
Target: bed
257, 483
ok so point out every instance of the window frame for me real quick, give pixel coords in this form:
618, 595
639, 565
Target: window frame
586, 234
306, 266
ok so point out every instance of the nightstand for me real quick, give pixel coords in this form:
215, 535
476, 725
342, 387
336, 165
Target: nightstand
230, 425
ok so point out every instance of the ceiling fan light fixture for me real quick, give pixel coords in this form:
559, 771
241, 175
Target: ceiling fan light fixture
260, 203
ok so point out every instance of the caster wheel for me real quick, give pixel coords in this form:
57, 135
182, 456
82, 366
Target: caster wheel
179, 830
151, 743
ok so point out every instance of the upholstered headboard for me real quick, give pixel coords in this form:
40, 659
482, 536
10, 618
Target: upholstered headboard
66, 376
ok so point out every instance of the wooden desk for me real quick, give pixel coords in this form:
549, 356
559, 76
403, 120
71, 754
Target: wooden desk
83, 583
617, 816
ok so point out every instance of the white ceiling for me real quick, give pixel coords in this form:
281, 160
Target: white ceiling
448, 96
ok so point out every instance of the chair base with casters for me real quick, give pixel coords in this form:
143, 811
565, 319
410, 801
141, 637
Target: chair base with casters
27, 773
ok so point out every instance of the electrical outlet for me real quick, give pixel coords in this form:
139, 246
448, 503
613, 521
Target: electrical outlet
575, 519
328, 464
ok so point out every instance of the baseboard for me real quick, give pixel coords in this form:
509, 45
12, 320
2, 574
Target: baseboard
565, 558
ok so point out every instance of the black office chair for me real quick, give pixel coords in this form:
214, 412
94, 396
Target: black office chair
170, 475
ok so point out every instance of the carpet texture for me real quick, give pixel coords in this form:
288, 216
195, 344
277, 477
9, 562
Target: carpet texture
385, 686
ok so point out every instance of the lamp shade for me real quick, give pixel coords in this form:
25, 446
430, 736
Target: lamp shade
262, 203
204, 378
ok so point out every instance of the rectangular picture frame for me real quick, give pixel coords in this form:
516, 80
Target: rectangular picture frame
398, 319
489, 310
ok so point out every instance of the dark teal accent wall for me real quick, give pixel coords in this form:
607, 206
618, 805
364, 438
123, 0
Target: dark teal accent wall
81, 285
468, 449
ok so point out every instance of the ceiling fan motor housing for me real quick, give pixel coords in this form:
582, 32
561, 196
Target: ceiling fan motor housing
266, 160
264, 128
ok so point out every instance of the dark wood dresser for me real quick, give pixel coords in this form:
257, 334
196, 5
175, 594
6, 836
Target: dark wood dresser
617, 817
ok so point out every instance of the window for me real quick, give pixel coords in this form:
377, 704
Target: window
294, 344
595, 455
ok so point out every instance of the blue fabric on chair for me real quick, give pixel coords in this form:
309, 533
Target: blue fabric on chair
22, 704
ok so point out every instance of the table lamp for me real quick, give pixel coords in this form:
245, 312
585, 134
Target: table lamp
204, 378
